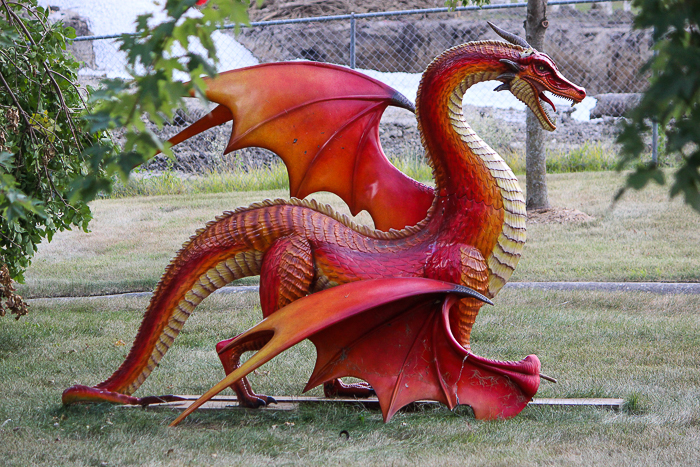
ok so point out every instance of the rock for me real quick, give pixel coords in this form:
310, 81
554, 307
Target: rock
605, 8
404, 45
606, 59
204, 152
614, 104
502, 129
82, 51
601, 53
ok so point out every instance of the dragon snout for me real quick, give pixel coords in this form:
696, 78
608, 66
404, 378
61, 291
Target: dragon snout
569, 90
579, 94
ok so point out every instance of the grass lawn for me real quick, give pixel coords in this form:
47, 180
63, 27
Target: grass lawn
637, 346
644, 237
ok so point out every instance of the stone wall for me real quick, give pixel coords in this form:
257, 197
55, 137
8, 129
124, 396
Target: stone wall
596, 49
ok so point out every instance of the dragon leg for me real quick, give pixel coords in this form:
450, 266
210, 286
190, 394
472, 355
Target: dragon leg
287, 273
473, 273
463, 318
464, 265
231, 360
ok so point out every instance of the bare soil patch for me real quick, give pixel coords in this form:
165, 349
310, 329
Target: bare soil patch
557, 216
285, 9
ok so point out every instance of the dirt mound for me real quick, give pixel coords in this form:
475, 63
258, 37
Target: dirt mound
557, 216
285, 9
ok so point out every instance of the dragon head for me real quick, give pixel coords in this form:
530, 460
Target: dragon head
532, 73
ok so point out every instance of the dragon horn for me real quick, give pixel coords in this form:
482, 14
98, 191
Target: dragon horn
510, 37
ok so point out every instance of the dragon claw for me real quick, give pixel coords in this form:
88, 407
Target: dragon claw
256, 401
271, 400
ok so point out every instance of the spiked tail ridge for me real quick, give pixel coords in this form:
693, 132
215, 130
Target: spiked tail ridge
170, 307
208, 261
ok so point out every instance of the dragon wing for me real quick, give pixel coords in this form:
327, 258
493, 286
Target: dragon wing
394, 334
323, 121
406, 352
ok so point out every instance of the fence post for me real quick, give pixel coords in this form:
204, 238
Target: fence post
655, 126
655, 143
352, 40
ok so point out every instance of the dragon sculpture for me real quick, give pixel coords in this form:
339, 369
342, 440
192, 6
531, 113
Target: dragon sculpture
394, 306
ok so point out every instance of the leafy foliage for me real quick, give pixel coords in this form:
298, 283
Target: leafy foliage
156, 56
55, 152
672, 99
41, 134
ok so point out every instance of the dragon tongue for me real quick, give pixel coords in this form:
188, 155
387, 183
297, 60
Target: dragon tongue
546, 99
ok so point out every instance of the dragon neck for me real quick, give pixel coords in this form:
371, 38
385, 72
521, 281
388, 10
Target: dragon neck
478, 195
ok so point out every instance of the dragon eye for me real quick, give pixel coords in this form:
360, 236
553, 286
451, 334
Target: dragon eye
541, 68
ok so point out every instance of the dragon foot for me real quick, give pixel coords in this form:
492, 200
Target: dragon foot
86, 394
336, 388
247, 398
231, 360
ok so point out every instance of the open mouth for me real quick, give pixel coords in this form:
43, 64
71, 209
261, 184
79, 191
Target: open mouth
546, 106
548, 113
543, 97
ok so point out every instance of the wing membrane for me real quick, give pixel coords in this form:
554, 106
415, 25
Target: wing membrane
394, 334
323, 121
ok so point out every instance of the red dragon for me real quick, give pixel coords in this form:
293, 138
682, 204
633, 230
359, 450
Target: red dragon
393, 306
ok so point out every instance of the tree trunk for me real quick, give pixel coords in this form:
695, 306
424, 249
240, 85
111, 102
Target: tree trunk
535, 159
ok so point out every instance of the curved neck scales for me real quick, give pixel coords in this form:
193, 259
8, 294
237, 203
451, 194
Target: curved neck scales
467, 170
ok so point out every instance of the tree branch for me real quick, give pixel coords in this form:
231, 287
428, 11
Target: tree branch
14, 99
51, 78
77, 89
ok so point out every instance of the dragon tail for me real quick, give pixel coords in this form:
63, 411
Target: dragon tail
228, 248
216, 255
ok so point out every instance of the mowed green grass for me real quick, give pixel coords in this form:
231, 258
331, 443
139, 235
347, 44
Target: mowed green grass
640, 347
636, 346
644, 237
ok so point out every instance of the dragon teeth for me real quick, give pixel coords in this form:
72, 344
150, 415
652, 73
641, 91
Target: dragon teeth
546, 109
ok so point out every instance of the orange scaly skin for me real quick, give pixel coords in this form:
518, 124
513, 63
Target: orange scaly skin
472, 235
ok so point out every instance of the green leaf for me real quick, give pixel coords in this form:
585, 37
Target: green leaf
29, 201
7, 161
673, 96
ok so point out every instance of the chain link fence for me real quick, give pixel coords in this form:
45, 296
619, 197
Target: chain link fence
593, 44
